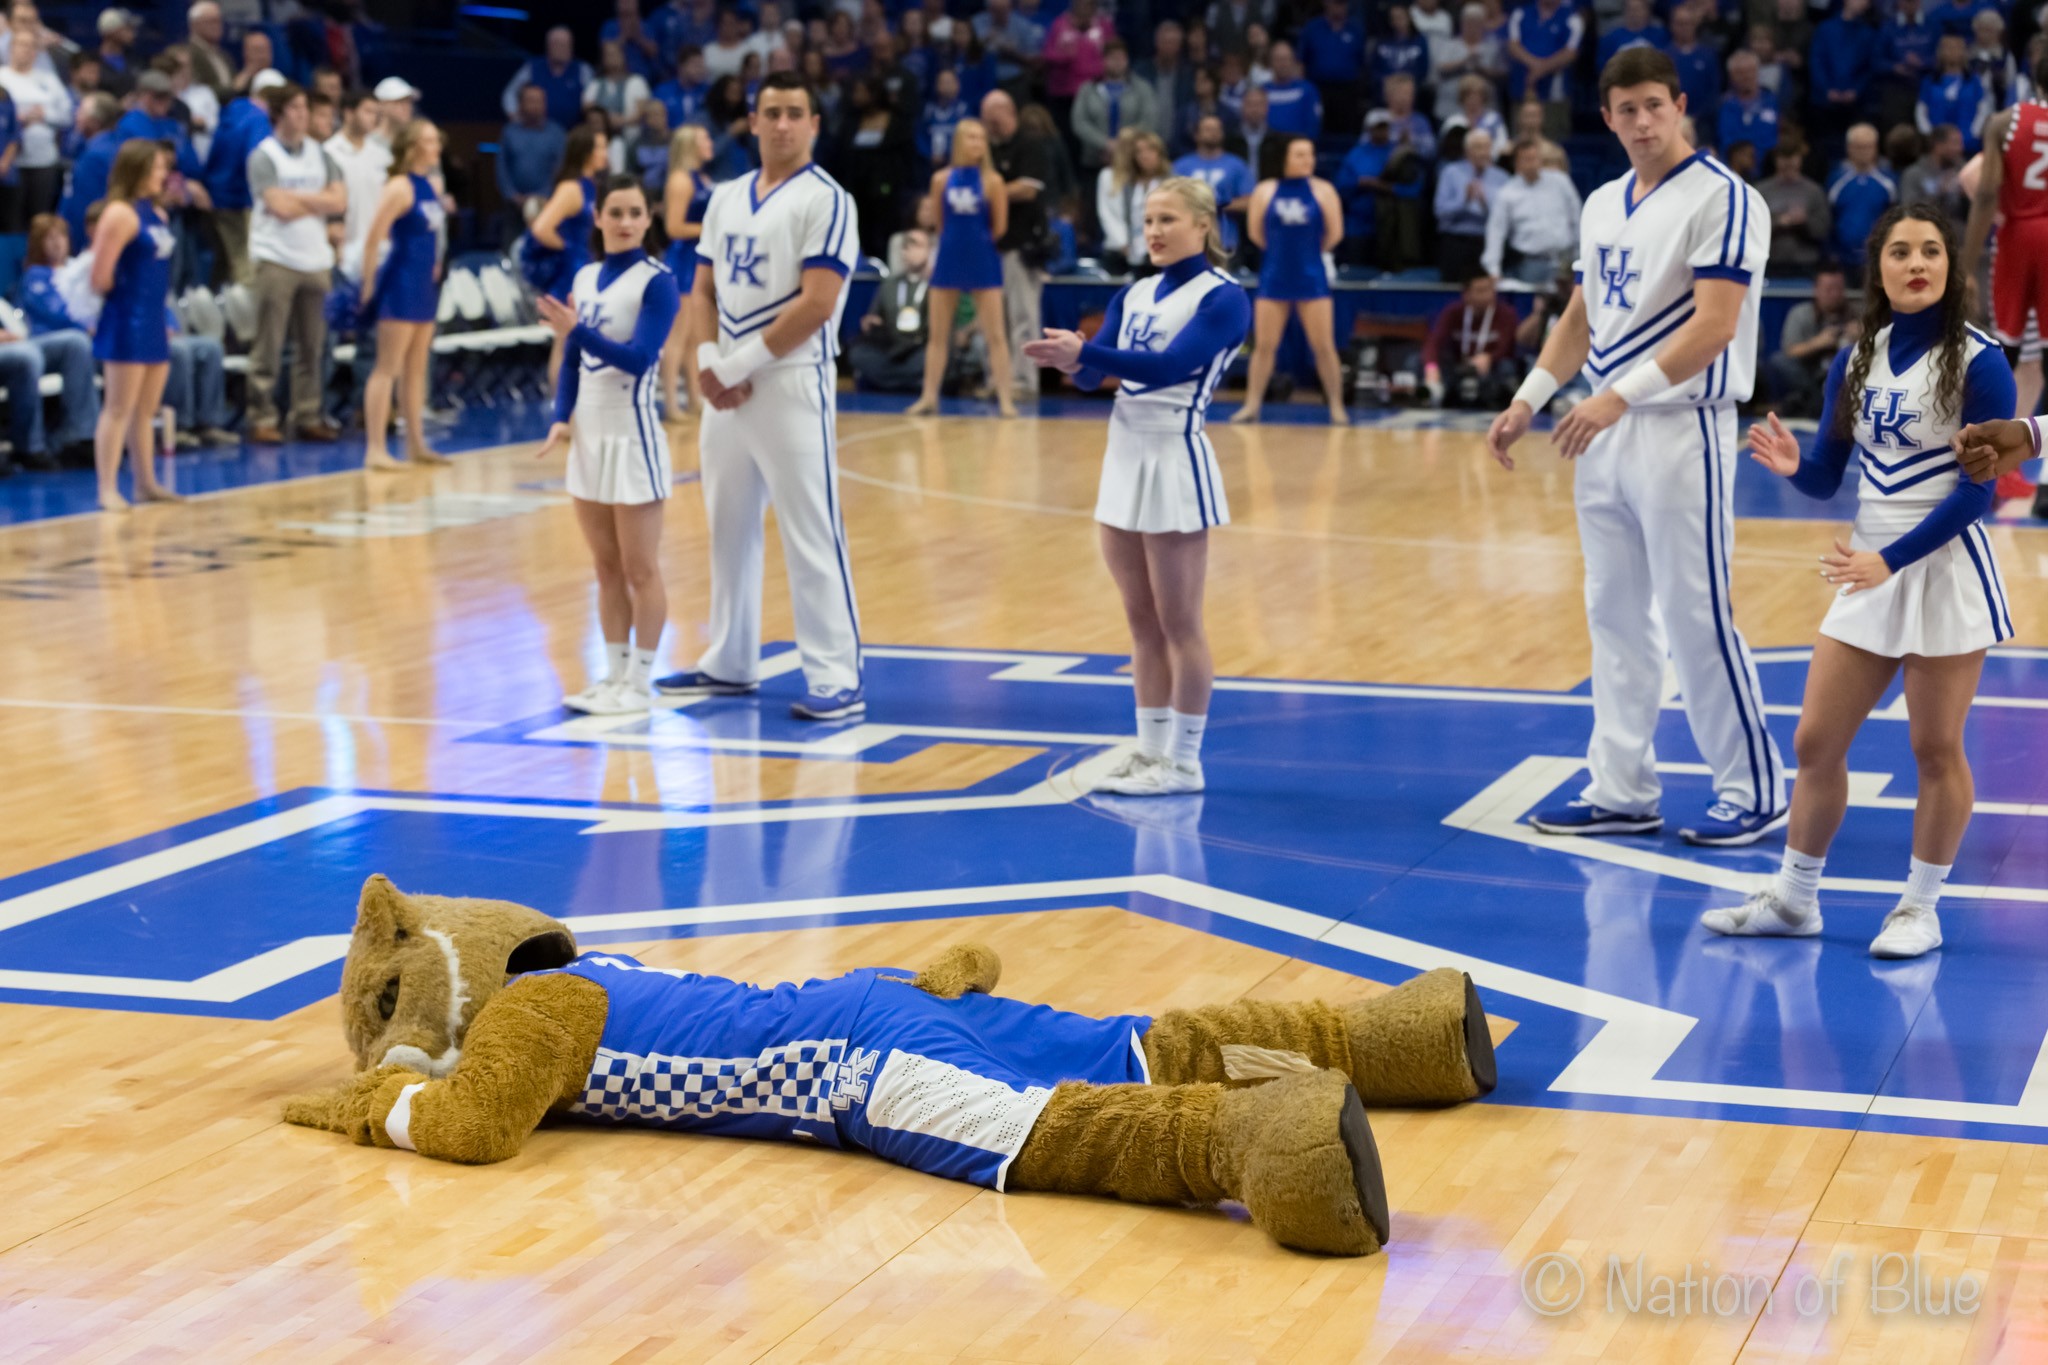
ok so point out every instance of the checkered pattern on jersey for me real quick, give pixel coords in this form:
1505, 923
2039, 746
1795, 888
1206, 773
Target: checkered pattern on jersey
792, 1081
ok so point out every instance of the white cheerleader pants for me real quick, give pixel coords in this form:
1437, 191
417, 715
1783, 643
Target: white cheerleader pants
779, 448
1656, 527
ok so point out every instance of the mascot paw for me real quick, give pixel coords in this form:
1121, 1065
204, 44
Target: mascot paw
1300, 1155
962, 968
345, 1108
1424, 1042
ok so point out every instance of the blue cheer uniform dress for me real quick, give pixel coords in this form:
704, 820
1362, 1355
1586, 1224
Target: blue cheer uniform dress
132, 328
967, 259
1292, 268
552, 271
405, 277
682, 253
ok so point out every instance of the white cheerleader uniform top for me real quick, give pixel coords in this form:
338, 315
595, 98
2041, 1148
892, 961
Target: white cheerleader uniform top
1169, 339
625, 306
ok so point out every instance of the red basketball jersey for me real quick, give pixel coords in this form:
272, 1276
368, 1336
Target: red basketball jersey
2023, 192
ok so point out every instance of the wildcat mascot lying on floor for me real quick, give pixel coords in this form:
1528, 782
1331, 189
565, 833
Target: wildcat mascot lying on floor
475, 1019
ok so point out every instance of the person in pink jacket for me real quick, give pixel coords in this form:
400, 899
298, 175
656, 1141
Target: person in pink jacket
1073, 51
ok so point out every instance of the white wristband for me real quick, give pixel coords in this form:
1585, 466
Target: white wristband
707, 355
1538, 389
1641, 384
735, 369
2034, 433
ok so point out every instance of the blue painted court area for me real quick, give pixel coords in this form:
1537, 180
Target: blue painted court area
1373, 829
39, 497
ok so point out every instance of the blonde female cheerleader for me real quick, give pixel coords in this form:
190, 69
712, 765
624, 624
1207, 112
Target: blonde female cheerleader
131, 269
1918, 588
399, 260
611, 332
1174, 333
1294, 220
973, 212
684, 197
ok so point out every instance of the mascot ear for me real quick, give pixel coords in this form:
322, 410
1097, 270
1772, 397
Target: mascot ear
383, 914
552, 949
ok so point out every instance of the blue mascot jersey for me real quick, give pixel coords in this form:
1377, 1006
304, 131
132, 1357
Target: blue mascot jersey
950, 1087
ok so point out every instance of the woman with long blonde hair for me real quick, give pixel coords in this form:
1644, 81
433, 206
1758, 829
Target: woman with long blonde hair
1136, 169
400, 259
973, 212
1167, 338
684, 198
131, 269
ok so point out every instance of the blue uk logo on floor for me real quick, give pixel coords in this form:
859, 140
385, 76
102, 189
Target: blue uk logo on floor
1372, 829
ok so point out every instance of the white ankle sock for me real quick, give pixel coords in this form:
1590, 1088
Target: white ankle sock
1155, 730
1187, 737
1798, 882
641, 668
1923, 883
618, 657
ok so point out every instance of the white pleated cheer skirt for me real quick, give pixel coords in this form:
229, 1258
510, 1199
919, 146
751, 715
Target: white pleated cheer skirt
1160, 480
1951, 602
618, 451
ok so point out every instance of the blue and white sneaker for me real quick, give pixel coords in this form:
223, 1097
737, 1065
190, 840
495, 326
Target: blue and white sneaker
1730, 826
695, 684
1583, 817
840, 705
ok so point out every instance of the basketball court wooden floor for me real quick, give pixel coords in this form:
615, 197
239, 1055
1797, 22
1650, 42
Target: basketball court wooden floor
218, 718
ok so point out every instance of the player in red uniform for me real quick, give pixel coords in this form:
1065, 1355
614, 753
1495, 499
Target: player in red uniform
2012, 189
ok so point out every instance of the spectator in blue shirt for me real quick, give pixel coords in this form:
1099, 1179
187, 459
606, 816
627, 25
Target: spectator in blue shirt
529, 150
1227, 175
686, 92
942, 114
1294, 106
1839, 68
1015, 41
1332, 49
1748, 113
1953, 95
681, 24
1698, 63
1903, 56
1465, 190
1638, 28
1400, 52
1363, 184
1959, 16
1859, 194
1411, 128
1204, 103
642, 47
1543, 43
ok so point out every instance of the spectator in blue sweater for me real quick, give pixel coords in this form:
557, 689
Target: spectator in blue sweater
641, 43
1400, 51
686, 93
47, 350
1638, 28
243, 125
1362, 183
97, 115
1332, 49
1903, 56
1226, 175
1953, 95
1294, 107
1859, 194
1959, 16
529, 149
1748, 113
942, 114
1698, 63
1839, 69
1543, 45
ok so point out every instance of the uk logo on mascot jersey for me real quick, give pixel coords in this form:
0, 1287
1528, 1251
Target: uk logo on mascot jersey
1369, 828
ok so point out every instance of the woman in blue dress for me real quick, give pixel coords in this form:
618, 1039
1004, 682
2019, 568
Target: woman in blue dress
399, 262
973, 212
683, 201
558, 239
1294, 220
131, 269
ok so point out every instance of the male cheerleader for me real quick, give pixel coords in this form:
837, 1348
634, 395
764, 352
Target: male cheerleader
1664, 323
772, 263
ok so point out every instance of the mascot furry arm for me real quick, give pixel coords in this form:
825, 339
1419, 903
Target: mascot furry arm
460, 1065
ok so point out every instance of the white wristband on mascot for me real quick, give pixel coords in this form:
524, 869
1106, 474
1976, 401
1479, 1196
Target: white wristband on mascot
1538, 389
1641, 384
735, 369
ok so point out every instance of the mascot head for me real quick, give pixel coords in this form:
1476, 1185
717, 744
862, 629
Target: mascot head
420, 967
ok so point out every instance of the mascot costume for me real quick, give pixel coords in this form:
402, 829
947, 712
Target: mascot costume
473, 1020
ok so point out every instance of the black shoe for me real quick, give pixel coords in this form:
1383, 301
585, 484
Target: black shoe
77, 455
2041, 501
40, 462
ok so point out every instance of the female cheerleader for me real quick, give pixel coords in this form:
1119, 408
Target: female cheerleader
1174, 334
403, 295
1918, 587
132, 248
1294, 220
558, 239
973, 212
684, 199
618, 451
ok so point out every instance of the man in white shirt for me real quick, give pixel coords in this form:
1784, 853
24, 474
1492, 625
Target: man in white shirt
296, 188
1533, 225
729, 53
365, 163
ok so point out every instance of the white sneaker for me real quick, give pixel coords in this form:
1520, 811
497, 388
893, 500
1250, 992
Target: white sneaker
1166, 777
1763, 915
621, 698
1908, 931
1131, 777
589, 699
